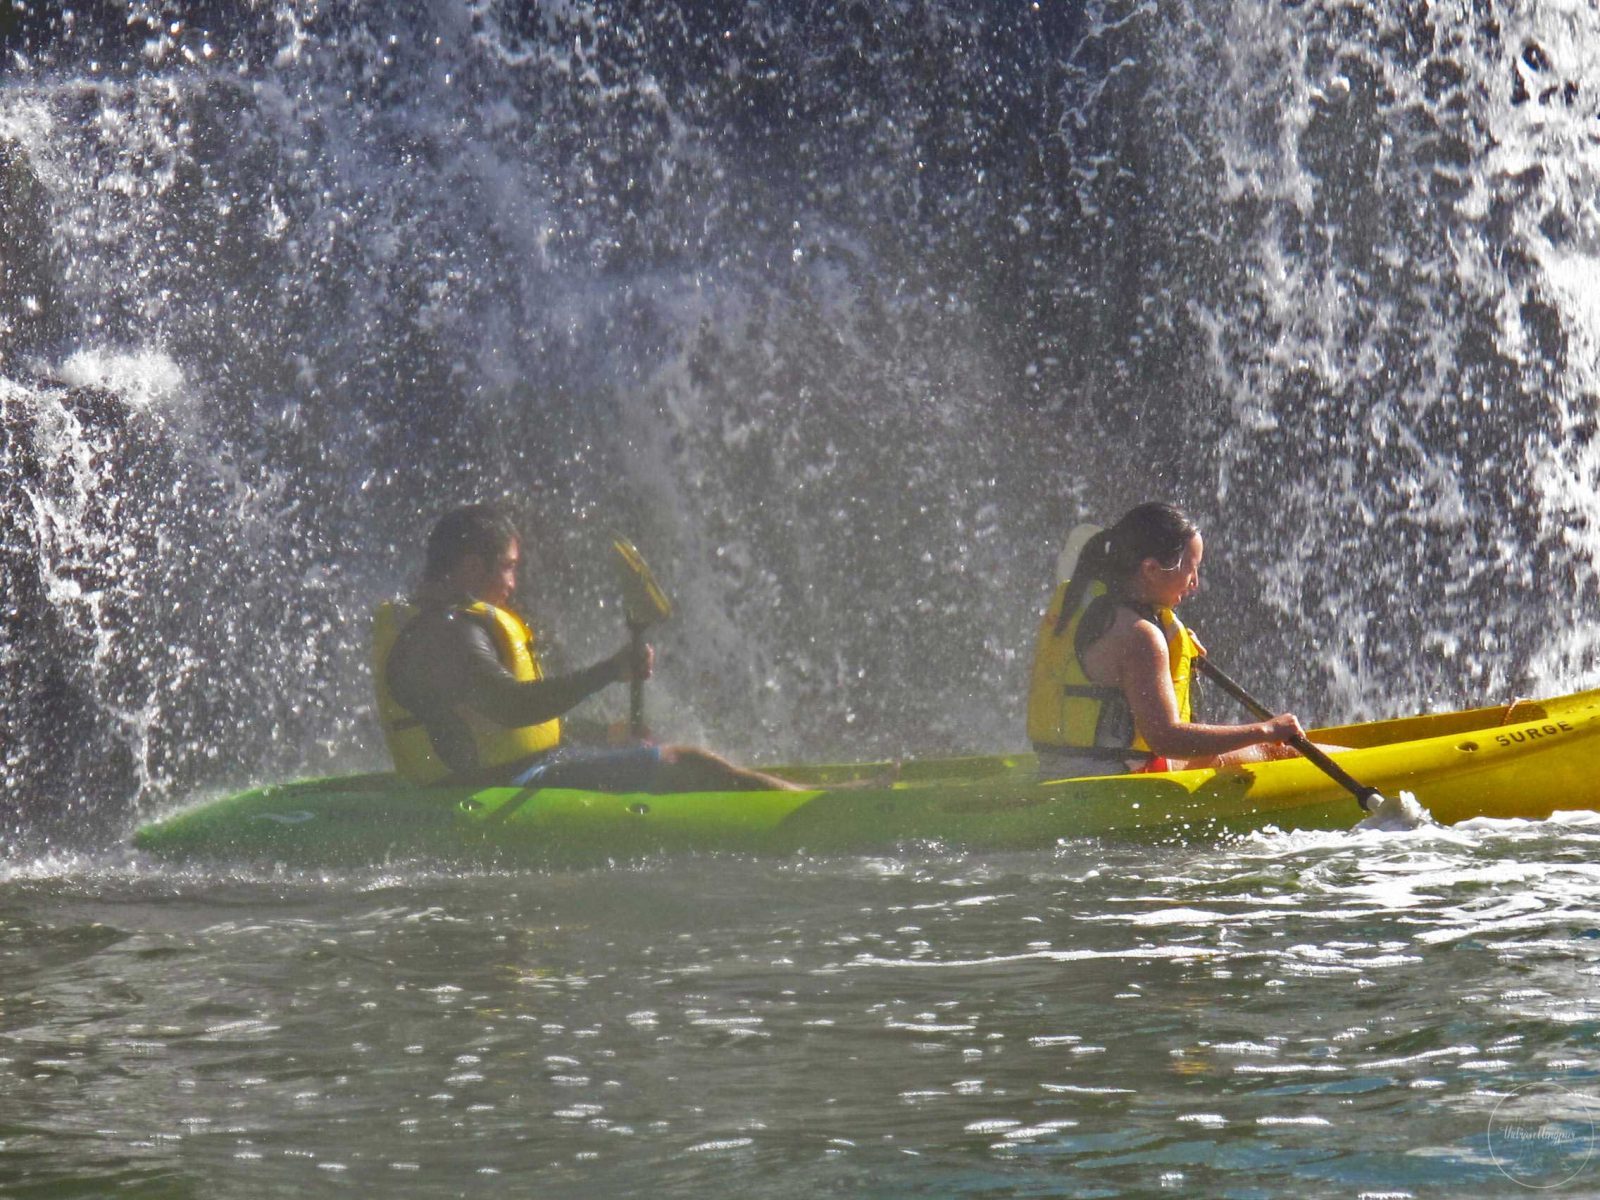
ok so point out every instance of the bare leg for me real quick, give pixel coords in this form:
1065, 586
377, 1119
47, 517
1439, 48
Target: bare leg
1262, 752
691, 769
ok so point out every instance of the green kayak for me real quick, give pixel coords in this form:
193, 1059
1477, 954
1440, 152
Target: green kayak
1526, 759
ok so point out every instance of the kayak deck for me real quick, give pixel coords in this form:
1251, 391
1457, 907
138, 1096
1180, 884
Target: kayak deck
1527, 759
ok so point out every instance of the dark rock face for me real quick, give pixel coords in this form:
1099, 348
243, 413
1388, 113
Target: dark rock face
145, 639
29, 304
62, 746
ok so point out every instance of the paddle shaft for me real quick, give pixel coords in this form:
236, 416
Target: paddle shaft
643, 604
636, 684
1368, 798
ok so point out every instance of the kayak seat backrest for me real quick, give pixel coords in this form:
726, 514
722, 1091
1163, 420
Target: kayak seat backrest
1520, 710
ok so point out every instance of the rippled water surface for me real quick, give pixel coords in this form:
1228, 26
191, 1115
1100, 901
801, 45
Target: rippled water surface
1316, 1015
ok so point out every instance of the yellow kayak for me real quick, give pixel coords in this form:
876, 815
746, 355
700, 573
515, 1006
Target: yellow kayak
1526, 759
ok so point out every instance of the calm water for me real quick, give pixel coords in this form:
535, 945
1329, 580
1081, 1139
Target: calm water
1317, 1015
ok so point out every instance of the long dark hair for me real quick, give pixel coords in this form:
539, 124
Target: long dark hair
1153, 530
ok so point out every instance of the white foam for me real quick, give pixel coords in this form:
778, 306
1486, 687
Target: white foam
141, 378
1398, 814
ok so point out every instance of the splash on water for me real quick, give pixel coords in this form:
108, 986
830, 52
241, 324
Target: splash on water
1397, 814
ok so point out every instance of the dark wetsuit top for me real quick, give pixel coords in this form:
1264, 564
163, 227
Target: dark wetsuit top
444, 659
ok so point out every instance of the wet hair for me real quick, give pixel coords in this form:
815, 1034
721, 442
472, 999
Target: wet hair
1153, 530
480, 529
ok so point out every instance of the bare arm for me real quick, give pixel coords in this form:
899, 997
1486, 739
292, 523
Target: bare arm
1146, 680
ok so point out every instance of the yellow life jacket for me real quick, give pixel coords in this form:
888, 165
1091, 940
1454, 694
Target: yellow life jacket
1069, 711
407, 738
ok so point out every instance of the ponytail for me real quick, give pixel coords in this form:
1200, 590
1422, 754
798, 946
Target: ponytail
1093, 563
1153, 530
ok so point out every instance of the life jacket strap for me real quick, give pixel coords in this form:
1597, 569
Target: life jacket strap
1091, 691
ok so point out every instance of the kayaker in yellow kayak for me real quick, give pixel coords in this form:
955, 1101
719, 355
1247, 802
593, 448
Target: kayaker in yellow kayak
463, 697
1111, 671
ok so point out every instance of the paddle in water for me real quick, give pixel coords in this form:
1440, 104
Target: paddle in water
1402, 812
643, 605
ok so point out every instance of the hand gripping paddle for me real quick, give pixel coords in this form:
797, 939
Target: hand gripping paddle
643, 605
1370, 799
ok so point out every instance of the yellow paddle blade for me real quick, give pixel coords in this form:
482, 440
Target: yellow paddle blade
642, 598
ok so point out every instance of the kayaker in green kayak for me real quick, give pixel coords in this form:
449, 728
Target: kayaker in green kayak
1111, 671
463, 697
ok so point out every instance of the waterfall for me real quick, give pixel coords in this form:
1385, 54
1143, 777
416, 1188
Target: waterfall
844, 313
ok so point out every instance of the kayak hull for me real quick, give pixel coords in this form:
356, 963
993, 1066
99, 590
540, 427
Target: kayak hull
1526, 760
